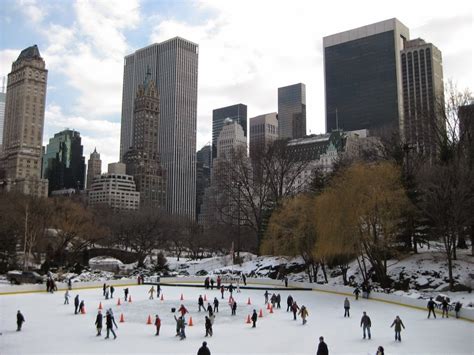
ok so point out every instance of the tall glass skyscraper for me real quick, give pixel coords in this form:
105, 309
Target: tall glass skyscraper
235, 113
363, 82
174, 68
292, 111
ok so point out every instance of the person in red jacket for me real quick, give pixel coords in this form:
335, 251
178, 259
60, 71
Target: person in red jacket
182, 310
157, 324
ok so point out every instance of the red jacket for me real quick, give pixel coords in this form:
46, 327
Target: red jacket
158, 322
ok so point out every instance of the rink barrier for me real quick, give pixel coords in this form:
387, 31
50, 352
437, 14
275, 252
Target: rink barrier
400, 300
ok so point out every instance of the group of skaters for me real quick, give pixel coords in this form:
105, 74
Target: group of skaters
152, 291
109, 323
292, 305
209, 282
108, 291
444, 308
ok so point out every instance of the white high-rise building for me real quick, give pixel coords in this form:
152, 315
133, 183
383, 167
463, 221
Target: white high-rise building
174, 68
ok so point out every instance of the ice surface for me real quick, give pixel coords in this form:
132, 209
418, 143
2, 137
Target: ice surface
52, 328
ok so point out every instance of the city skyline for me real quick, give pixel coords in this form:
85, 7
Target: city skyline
236, 64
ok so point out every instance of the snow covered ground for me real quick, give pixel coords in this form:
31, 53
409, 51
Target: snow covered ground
52, 328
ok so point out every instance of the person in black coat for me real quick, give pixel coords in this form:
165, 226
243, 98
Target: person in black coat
98, 323
112, 289
201, 303
457, 308
76, 304
289, 303
244, 279
104, 287
125, 291
19, 321
445, 306
208, 325
234, 307
109, 322
254, 318
81, 307
209, 309
431, 307
204, 350
366, 324
322, 347
216, 305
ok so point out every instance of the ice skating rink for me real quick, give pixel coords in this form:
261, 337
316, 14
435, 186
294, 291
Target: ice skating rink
52, 328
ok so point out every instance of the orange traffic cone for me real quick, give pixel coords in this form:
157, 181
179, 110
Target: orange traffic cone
190, 321
248, 301
161, 298
130, 299
100, 305
121, 318
205, 298
148, 320
268, 306
83, 310
248, 319
271, 309
261, 313
118, 302
182, 298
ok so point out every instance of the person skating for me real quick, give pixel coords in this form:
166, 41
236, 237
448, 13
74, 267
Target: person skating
244, 279
157, 325
365, 323
238, 286
234, 307
322, 347
278, 300
444, 306
19, 321
201, 303
69, 284
398, 328
112, 289
457, 308
219, 280
206, 283
380, 351
222, 292
182, 310
216, 305
103, 289
109, 323
151, 292
125, 291
212, 284
81, 307
347, 306
208, 326
431, 307
204, 350
76, 304
209, 309
356, 293
266, 294
66, 297
158, 291
180, 327
294, 308
273, 300
254, 318
231, 289
98, 323
289, 303
107, 293
303, 313
286, 281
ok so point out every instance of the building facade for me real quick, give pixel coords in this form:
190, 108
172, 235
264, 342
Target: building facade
94, 167
292, 111
363, 81
174, 69
203, 174
3, 97
114, 189
24, 123
263, 131
423, 96
236, 113
142, 159
63, 162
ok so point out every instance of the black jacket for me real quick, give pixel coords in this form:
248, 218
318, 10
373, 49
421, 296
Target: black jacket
254, 317
204, 350
322, 349
19, 318
98, 320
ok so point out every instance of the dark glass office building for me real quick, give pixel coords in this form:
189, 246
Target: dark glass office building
235, 112
292, 111
362, 77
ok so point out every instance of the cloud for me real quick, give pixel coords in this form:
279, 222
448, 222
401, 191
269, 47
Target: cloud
32, 10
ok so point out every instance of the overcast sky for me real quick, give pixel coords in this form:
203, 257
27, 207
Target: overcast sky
247, 50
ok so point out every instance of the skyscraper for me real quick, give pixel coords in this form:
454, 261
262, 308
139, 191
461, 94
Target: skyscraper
236, 113
363, 81
423, 96
63, 163
292, 111
142, 159
203, 174
263, 131
2, 117
24, 121
174, 68
94, 167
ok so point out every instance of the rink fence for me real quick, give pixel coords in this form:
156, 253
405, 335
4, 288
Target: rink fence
401, 300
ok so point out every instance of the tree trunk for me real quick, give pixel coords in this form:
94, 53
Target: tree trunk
323, 267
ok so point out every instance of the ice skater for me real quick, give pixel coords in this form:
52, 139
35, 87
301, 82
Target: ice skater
180, 327
157, 325
82, 309
444, 307
431, 307
230, 288
380, 351
109, 323
222, 292
457, 308
107, 293
151, 292
295, 308
254, 318
289, 303
208, 325
216, 305
278, 301
209, 309
347, 307
201, 303
204, 350
125, 291
98, 323
303, 313
266, 294
398, 328
233, 307
103, 289
365, 323
76, 304
19, 321
66, 297
322, 347
182, 310
112, 289
212, 284
356, 292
